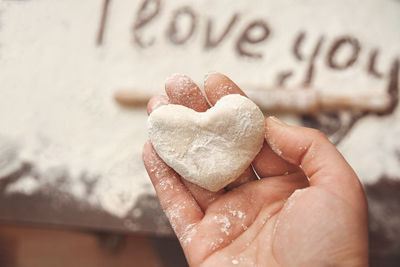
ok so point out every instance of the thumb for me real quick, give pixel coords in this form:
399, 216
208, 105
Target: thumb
316, 155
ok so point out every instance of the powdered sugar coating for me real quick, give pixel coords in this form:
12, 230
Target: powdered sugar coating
210, 149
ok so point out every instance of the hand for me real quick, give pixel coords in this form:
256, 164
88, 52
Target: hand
282, 219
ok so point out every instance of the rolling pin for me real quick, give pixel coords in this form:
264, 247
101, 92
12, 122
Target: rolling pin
302, 101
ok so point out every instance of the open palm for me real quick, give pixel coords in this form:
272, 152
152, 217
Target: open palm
308, 208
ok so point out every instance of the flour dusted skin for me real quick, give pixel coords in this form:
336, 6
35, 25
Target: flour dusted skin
212, 148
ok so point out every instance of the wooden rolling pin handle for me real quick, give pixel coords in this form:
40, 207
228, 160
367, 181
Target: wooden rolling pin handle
131, 98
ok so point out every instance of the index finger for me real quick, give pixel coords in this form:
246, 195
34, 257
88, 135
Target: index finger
177, 202
183, 91
217, 85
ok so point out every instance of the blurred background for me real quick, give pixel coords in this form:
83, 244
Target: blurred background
75, 77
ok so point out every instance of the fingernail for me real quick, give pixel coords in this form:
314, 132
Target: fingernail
277, 121
211, 72
208, 74
173, 77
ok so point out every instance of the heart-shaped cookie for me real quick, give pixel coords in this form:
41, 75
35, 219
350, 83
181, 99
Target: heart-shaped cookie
212, 148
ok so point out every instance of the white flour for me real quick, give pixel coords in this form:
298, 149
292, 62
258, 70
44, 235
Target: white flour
56, 104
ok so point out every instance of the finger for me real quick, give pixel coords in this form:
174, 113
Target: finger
217, 85
267, 163
156, 102
177, 202
203, 197
247, 176
316, 155
183, 91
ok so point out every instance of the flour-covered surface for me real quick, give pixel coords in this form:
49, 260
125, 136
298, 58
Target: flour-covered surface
70, 155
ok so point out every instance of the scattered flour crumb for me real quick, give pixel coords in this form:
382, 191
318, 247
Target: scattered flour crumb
237, 213
186, 237
217, 243
273, 146
165, 184
235, 262
264, 221
175, 212
224, 222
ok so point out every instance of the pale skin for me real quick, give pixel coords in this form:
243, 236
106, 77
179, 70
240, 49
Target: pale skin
308, 208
